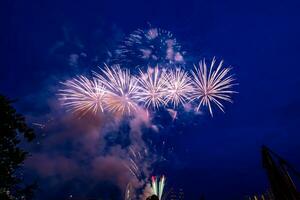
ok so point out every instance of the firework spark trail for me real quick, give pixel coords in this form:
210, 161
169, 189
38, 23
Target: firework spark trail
158, 185
140, 156
131, 170
154, 185
134, 165
149, 47
129, 192
211, 86
132, 152
122, 89
179, 87
161, 186
152, 87
135, 160
173, 113
83, 95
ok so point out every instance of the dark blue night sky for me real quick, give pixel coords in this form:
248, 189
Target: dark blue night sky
218, 157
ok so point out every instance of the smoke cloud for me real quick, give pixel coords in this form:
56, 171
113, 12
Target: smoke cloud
94, 148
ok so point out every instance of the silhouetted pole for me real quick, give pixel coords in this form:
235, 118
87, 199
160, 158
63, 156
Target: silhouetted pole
281, 184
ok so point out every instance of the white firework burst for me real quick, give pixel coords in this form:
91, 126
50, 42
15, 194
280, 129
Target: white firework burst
212, 86
179, 87
122, 89
152, 87
83, 95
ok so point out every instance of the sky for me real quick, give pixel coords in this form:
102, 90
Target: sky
45, 42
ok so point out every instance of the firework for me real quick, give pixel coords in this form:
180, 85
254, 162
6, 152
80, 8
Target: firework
212, 86
135, 159
83, 95
179, 87
173, 113
152, 87
122, 89
152, 46
154, 185
116, 90
129, 192
161, 186
158, 186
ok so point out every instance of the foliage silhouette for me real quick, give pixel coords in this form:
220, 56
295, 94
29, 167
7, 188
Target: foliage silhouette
13, 131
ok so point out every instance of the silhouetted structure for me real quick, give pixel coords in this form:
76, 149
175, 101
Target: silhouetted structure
175, 194
153, 197
282, 186
202, 197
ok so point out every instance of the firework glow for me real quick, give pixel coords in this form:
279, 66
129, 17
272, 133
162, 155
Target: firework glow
116, 90
179, 87
154, 185
211, 86
122, 90
151, 46
83, 95
161, 81
153, 87
158, 185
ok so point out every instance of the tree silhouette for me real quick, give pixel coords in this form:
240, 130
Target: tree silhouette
13, 130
